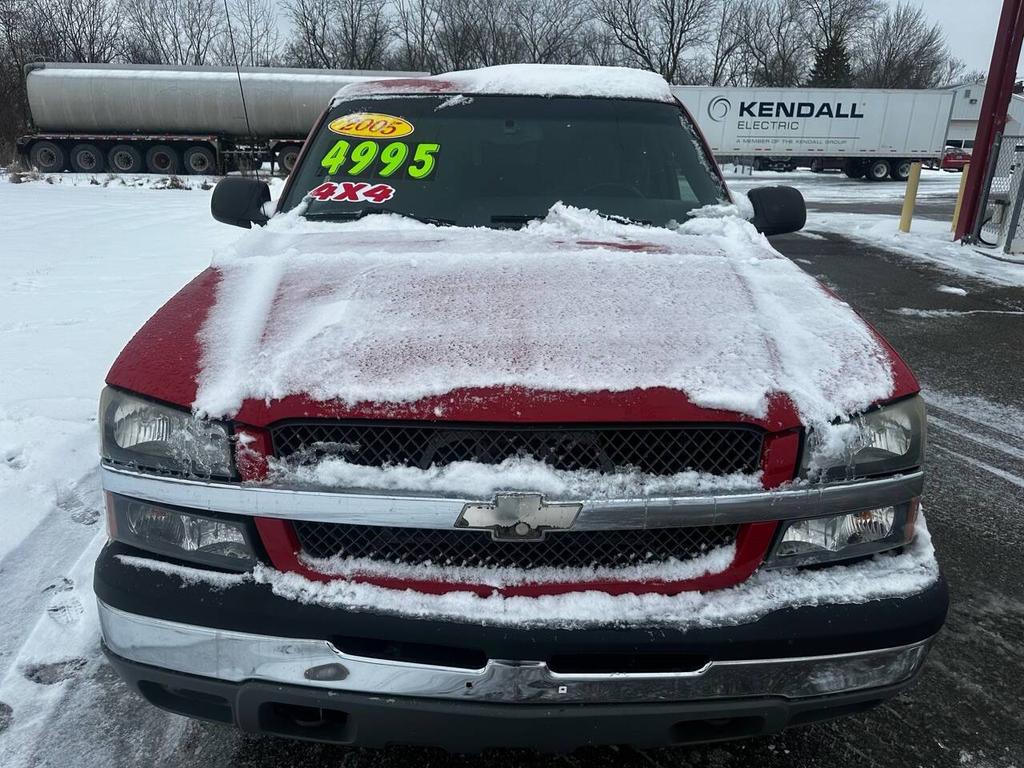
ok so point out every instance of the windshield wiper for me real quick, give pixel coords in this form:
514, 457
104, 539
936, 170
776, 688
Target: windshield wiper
363, 212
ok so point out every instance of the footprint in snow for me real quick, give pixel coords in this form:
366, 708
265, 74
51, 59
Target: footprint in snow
6, 716
69, 499
64, 606
53, 672
64, 585
14, 458
65, 609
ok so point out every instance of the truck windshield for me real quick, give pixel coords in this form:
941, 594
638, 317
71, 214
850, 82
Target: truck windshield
500, 161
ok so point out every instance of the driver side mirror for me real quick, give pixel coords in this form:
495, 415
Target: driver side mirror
777, 210
239, 201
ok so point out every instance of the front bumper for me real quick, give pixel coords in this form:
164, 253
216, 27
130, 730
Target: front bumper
238, 656
370, 720
242, 654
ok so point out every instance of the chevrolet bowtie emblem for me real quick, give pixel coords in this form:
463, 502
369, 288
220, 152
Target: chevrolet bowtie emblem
518, 516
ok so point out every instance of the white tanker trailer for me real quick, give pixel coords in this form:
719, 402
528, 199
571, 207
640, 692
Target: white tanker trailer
127, 118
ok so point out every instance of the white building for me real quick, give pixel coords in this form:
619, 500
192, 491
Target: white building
963, 124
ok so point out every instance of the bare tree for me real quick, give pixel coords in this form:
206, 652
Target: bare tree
775, 46
83, 30
457, 43
550, 30
598, 46
841, 22
172, 31
719, 64
257, 40
905, 50
658, 35
346, 34
416, 29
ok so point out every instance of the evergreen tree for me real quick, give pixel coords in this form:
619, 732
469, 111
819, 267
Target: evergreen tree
832, 67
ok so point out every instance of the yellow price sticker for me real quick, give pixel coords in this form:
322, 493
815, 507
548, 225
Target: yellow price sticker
371, 125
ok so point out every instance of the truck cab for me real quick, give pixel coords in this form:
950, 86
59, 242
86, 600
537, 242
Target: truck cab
507, 426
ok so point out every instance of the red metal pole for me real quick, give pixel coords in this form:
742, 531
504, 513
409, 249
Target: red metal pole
1001, 75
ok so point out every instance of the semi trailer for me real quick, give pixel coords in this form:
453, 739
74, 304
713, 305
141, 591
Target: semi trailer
870, 133
174, 119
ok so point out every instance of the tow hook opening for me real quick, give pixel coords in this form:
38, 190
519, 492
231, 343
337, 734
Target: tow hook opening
304, 722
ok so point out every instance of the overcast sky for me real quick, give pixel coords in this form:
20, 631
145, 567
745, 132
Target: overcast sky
970, 27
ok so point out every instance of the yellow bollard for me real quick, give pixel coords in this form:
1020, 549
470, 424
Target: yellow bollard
911, 197
960, 195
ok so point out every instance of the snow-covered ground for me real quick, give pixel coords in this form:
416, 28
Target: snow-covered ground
930, 240
81, 267
837, 188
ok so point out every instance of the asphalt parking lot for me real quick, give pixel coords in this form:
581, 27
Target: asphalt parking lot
967, 707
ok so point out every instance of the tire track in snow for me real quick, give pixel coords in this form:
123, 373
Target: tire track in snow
979, 433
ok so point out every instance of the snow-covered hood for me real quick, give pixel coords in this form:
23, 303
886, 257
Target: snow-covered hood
388, 312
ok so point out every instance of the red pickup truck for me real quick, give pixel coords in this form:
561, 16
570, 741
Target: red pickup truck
509, 427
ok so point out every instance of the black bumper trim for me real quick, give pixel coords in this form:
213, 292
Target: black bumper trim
370, 720
253, 608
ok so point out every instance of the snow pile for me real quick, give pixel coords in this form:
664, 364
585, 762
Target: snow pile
391, 310
928, 241
481, 481
715, 561
884, 576
525, 80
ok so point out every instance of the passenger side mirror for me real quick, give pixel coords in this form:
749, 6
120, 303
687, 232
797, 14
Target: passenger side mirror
238, 200
778, 210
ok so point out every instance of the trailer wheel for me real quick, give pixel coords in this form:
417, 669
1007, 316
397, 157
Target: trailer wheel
124, 158
901, 170
878, 170
86, 158
47, 157
161, 159
199, 160
287, 157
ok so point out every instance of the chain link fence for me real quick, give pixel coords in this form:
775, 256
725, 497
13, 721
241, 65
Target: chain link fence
1001, 225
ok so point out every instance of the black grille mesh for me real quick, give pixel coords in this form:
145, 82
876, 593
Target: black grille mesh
579, 549
659, 450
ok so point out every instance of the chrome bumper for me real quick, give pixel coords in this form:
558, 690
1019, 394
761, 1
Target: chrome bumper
238, 657
412, 511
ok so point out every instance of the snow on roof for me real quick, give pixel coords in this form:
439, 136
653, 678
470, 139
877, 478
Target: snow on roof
525, 80
390, 310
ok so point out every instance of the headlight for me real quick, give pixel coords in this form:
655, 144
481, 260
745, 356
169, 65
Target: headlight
886, 440
139, 433
844, 537
181, 534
